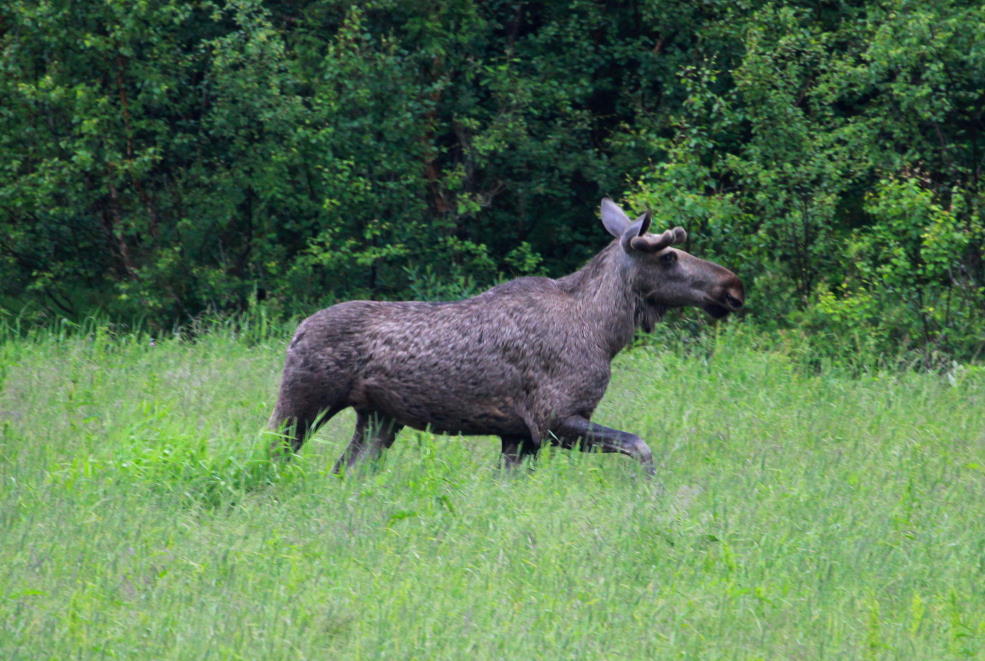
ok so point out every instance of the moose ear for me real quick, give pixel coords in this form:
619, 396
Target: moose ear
614, 218
640, 226
635, 232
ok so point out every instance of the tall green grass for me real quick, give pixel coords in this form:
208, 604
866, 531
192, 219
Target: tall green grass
795, 515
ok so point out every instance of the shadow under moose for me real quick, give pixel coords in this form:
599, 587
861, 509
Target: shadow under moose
528, 360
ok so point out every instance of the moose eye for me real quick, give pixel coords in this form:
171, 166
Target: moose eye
668, 258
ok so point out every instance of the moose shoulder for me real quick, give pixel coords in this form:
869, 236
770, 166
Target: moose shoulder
527, 360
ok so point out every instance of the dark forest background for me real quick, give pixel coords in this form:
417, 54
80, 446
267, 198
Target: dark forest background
164, 160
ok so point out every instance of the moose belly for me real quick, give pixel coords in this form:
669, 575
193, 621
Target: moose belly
435, 405
486, 421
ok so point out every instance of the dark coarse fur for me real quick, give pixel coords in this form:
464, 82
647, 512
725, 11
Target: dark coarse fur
527, 360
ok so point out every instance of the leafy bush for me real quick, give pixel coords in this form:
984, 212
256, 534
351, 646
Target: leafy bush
167, 160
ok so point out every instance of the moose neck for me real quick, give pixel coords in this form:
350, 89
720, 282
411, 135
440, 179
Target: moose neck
604, 293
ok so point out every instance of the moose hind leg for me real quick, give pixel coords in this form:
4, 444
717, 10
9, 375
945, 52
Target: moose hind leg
374, 433
294, 427
307, 398
594, 436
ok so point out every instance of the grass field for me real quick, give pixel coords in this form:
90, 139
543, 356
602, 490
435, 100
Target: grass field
795, 516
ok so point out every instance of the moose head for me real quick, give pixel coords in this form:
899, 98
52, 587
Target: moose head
663, 276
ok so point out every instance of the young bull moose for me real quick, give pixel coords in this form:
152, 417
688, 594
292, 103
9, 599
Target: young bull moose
527, 361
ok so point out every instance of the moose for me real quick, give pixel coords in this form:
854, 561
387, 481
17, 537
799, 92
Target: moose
527, 361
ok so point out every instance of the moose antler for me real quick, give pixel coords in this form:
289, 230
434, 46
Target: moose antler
654, 242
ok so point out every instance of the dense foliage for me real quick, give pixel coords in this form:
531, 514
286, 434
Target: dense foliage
160, 159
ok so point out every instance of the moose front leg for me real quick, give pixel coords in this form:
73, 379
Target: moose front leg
516, 448
594, 436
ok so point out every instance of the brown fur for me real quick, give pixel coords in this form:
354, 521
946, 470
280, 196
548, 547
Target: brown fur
527, 360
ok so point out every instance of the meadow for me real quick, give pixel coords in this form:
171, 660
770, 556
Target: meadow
797, 514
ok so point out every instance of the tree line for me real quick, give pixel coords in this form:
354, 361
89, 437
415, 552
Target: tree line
163, 159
